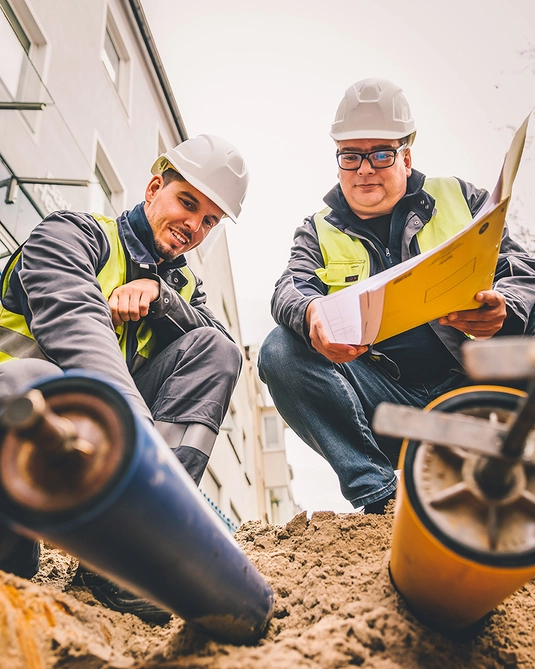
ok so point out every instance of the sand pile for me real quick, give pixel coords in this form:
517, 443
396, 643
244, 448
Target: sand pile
335, 607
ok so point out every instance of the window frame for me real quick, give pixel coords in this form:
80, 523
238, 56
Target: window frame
30, 85
122, 81
108, 181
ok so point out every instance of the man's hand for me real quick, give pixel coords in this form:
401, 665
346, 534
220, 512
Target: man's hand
131, 301
481, 323
320, 341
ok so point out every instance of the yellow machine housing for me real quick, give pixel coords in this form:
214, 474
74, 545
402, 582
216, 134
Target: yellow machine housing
456, 552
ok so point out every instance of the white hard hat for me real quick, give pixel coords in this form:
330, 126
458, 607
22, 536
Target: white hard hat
373, 109
213, 166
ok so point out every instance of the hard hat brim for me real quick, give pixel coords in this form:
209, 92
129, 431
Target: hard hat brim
369, 134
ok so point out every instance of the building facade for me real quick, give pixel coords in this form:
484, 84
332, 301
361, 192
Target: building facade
85, 108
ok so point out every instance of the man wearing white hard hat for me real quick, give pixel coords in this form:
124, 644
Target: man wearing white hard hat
381, 213
117, 297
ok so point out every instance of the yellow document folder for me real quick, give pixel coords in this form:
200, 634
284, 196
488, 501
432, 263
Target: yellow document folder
446, 281
431, 285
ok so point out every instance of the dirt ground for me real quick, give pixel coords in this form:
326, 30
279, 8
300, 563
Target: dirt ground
335, 607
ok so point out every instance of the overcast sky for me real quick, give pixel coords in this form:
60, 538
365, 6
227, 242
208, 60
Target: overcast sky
268, 76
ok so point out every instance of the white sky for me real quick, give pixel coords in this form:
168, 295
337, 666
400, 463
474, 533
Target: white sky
268, 76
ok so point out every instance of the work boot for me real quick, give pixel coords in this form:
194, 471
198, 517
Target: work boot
192, 443
379, 506
119, 599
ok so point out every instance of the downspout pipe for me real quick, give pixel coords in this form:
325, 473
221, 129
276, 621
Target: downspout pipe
156, 62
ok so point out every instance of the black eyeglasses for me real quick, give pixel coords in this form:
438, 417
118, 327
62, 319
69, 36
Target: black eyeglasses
351, 160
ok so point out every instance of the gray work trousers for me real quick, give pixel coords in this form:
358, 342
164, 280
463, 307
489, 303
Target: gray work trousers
190, 381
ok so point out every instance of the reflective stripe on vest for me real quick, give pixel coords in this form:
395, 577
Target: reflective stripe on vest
16, 340
346, 258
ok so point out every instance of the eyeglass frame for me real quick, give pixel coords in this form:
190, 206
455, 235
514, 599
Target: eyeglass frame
366, 156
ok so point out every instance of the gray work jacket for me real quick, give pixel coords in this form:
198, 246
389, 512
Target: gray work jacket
299, 284
54, 285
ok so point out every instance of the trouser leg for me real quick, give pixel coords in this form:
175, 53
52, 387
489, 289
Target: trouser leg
188, 387
191, 381
20, 555
331, 407
192, 443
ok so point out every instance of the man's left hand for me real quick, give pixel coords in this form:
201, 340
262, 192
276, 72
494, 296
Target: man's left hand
481, 323
131, 302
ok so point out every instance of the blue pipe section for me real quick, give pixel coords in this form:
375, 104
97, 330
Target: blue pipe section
152, 531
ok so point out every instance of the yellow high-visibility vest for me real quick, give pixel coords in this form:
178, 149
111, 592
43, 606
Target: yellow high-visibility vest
347, 259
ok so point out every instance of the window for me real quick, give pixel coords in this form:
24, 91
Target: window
234, 515
274, 502
116, 59
101, 196
111, 58
103, 183
22, 58
14, 49
210, 486
272, 431
107, 193
16, 26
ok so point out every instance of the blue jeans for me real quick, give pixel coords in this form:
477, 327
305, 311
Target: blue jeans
330, 407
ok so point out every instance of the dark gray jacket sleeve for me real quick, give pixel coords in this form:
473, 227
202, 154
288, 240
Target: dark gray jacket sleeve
299, 284
515, 271
67, 313
515, 280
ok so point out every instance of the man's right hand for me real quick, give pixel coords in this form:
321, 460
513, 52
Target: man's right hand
131, 302
319, 340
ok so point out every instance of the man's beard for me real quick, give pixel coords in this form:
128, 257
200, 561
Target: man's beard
166, 253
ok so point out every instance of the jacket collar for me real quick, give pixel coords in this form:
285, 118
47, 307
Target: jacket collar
138, 239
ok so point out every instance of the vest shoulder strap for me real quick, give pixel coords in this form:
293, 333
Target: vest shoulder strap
113, 273
450, 216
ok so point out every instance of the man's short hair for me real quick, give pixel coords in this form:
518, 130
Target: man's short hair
408, 140
169, 175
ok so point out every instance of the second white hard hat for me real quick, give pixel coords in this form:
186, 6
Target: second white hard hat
373, 109
213, 166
